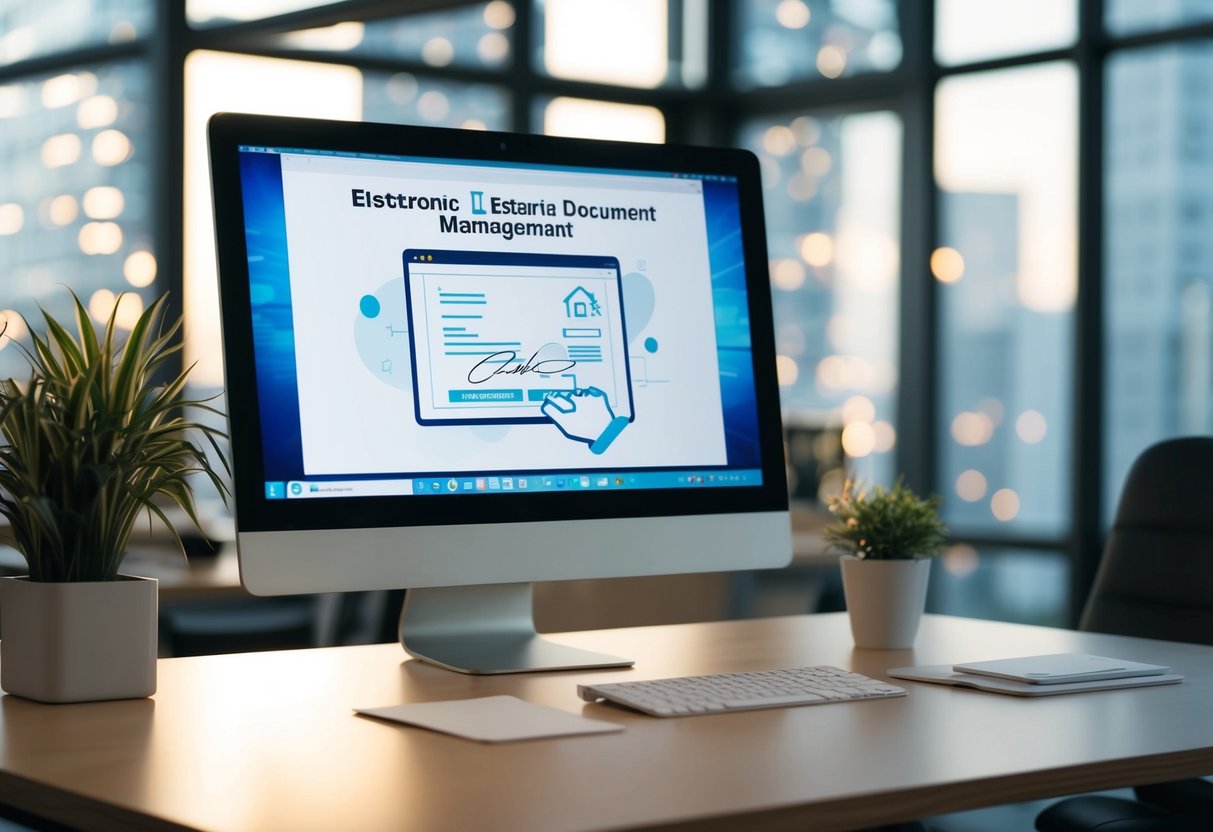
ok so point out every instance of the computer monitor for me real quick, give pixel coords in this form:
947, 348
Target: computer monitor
460, 361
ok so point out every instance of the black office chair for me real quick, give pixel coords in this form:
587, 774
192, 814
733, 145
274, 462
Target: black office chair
1113, 814
1155, 581
238, 625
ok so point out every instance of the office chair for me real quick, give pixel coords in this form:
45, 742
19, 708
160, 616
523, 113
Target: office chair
1155, 580
238, 625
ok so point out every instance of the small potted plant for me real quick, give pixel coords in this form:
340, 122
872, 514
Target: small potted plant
889, 537
97, 438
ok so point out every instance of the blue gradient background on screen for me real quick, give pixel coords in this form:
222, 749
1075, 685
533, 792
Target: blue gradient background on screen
273, 328
733, 349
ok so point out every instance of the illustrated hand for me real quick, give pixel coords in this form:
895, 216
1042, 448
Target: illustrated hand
584, 416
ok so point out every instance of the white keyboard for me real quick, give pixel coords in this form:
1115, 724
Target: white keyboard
747, 691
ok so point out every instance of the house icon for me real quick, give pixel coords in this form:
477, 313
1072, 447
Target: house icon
581, 304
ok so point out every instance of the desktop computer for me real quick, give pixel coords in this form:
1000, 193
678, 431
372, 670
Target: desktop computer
459, 362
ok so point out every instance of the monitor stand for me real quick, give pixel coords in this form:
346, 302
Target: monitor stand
486, 629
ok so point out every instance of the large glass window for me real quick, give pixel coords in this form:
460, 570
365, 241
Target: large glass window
1006, 167
820, 91
31, 30
1003, 584
75, 206
204, 13
1158, 252
563, 116
978, 30
624, 42
476, 36
1126, 17
780, 41
832, 191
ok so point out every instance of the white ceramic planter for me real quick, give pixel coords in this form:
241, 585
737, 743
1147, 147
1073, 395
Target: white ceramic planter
885, 600
78, 642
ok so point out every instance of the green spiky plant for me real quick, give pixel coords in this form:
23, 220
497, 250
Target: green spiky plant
94, 440
886, 524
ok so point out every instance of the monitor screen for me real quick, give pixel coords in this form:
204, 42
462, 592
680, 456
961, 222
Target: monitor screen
437, 341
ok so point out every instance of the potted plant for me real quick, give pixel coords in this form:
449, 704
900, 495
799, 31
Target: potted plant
94, 440
889, 537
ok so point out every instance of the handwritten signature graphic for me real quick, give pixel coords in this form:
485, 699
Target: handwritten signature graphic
498, 363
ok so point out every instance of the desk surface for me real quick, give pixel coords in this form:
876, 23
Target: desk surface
268, 741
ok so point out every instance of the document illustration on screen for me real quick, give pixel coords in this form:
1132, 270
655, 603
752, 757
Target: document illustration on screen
492, 335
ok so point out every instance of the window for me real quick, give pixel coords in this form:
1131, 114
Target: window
941, 311
1005, 164
977, 30
782, 41
832, 191
1158, 289
75, 210
33, 30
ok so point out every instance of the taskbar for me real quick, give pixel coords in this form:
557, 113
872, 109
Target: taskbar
514, 484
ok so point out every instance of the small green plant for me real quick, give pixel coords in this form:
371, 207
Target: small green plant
93, 440
886, 524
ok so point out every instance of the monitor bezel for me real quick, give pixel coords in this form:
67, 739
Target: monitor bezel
255, 513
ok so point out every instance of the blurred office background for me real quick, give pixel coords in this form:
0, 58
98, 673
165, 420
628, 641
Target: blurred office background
990, 222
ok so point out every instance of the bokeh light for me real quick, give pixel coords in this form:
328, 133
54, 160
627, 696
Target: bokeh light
947, 265
139, 268
1005, 504
786, 370
499, 14
103, 202
63, 209
831, 61
12, 218
13, 326
111, 147
972, 428
971, 485
61, 150
1031, 426
817, 249
787, 274
858, 439
858, 409
438, 52
778, 140
886, 436
961, 560
100, 237
97, 111
63, 90
793, 14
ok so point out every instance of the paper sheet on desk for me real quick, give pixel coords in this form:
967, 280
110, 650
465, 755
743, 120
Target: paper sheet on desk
492, 719
943, 674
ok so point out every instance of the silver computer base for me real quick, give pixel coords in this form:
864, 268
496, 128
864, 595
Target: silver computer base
486, 629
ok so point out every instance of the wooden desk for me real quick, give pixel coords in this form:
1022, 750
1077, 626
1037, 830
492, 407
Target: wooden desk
268, 742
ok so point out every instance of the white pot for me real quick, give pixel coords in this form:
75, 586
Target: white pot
885, 600
78, 642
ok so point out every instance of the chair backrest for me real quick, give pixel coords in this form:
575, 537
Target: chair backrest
1156, 576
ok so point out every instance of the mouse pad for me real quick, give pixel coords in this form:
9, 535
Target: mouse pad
492, 719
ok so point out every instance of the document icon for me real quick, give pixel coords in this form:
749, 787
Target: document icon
492, 334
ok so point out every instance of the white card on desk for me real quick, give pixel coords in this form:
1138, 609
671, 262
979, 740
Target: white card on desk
492, 719
1059, 668
943, 674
